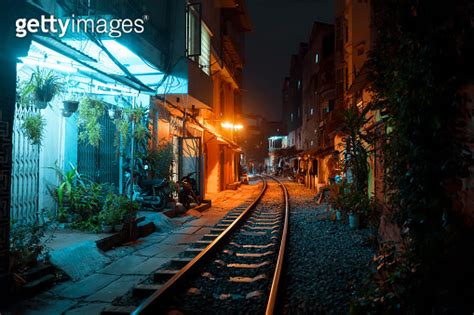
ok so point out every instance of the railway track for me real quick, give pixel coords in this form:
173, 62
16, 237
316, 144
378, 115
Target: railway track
235, 268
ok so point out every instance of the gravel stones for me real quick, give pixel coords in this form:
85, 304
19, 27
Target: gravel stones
325, 259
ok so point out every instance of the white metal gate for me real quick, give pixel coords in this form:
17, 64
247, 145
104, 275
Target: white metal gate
25, 171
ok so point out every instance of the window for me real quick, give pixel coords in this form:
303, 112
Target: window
299, 84
193, 30
291, 116
311, 111
316, 58
205, 57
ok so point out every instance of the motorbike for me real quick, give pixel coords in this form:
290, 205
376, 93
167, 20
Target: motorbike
152, 194
188, 191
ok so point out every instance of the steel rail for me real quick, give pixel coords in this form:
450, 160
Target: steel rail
273, 297
152, 303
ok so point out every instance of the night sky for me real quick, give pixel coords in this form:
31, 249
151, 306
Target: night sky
278, 28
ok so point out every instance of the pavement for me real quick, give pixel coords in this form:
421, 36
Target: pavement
110, 275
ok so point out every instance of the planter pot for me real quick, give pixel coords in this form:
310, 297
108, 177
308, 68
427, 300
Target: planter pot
338, 215
118, 227
107, 228
66, 113
70, 106
354, 221
41, 104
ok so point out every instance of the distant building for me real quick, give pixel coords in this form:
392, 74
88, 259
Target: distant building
255, 138
292, 98
319, 120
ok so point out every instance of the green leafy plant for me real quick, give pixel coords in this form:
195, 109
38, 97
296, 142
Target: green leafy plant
67, 180
139, 117
43, 86
117, 209
418, 76
26, 244
33, 127
161, 161
356, 145
90, 112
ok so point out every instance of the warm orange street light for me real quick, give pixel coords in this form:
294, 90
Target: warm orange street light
228, 125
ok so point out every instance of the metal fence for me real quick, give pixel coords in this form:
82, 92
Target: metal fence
100, 164
25, 170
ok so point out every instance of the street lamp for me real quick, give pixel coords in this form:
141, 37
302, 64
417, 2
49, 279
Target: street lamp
228, 125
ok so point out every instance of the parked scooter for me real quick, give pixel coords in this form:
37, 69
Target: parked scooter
188, 192
152, 194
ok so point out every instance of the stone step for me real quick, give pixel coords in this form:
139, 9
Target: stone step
39, 284
37, 272
191, 252
211, 236
217, 230
118, 310
179, 262
201, 244
145, 290
227, 221
164, 275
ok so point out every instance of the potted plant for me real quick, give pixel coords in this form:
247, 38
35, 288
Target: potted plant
70, 107
43, 86
337, 197
68, 180
358, 204
33, 127
116, 211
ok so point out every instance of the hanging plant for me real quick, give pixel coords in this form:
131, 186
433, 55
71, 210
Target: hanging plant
33, 127
42, 87
140, 133
90, 111
70, 107
122, 128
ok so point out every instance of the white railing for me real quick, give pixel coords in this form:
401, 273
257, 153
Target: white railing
25, 171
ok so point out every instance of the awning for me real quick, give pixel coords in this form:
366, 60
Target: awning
94, 59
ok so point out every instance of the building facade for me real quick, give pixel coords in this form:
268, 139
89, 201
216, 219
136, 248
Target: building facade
208, 114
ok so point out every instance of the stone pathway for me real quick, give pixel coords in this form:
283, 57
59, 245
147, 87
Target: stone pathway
132, 263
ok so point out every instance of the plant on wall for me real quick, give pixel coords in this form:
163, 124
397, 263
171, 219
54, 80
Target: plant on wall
90, 111
33, 127
42, 87
138, 116
355, 145
418, 72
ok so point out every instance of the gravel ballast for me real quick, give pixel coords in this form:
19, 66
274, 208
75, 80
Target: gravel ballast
325, 259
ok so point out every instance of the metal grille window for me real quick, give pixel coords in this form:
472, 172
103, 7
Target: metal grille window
101, 163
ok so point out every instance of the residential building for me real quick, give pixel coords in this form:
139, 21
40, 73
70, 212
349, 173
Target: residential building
185, 69
292, 98
205, 116
318, 126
